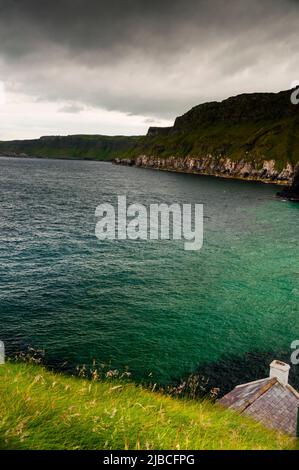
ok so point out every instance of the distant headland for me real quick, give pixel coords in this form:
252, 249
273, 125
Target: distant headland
249, 136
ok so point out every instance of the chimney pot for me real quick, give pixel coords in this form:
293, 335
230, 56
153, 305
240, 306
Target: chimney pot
280, 370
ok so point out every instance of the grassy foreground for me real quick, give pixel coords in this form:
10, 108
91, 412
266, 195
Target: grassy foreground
43, 410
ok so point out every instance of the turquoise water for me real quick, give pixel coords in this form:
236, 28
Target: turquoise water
151, 307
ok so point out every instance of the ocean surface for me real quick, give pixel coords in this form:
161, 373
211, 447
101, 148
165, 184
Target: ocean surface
151, 307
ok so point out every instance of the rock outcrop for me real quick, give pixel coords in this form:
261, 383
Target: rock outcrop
291, 192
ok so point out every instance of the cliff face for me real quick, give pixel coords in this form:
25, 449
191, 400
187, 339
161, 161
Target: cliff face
223, 166
250, 136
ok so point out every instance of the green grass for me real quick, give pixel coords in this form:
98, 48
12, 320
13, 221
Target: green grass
43, 410
91, 147
253, 142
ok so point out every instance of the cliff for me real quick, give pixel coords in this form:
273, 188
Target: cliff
90, 147
249, 136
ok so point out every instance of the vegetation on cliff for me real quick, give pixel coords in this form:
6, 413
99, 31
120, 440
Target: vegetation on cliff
43, 410
249, 127
95, 147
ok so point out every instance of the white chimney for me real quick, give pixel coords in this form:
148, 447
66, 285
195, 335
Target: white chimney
280, 370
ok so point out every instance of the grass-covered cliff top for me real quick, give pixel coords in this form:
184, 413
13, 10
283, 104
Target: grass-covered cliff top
94, 147
43, 410
257, 126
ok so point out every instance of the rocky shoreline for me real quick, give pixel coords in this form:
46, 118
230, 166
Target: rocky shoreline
265, 172
15, 155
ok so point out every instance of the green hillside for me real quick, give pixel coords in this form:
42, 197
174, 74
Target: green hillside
43, 410
250, 127
95, 147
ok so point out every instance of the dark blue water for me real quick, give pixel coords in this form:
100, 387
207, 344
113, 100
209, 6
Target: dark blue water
148, 306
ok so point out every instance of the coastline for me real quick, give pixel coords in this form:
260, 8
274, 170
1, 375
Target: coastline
65, 157
220, 175
140, 163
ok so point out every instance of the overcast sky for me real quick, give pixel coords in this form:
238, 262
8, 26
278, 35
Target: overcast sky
119, 66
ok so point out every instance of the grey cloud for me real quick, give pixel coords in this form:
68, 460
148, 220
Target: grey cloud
72, 108
154, 58
149, 121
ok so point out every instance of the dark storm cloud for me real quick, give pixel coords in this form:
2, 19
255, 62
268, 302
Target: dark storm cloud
117, 25
148, 57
